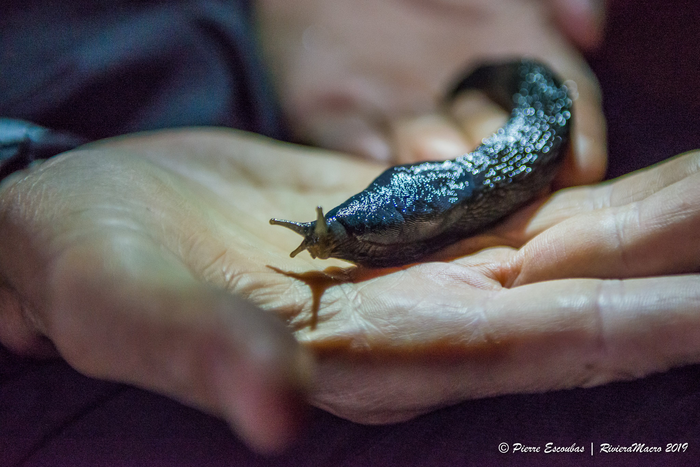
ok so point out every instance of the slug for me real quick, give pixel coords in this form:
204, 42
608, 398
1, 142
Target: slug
412, 210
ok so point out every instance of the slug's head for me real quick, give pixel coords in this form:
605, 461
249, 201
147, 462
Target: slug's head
320, 238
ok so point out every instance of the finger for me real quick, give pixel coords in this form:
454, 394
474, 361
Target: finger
539, 337
582, 333
427, 137
587, 160
582, 21
654, 236
351, 133
627, 189
588, 157
123, 310
478, 116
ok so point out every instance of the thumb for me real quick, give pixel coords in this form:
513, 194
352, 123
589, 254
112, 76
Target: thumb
125, 310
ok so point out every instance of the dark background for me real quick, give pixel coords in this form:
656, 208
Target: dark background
649, 69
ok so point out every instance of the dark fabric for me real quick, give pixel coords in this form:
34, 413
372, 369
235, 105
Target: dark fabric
52, 416
107, 67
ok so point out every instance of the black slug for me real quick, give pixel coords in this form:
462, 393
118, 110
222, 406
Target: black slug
412, 210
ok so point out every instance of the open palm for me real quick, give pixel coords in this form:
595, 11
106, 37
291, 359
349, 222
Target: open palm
127, 245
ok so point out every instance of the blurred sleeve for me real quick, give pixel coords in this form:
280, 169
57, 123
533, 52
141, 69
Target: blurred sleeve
22, 143
102, 68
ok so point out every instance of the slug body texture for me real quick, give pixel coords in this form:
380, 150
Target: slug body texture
412, 210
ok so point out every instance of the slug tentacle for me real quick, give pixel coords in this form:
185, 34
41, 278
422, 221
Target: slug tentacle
413, 210
298, 227
319, 239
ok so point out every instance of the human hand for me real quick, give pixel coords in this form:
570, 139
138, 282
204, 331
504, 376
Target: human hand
603, 287
112, 271
367, 77
121, 263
